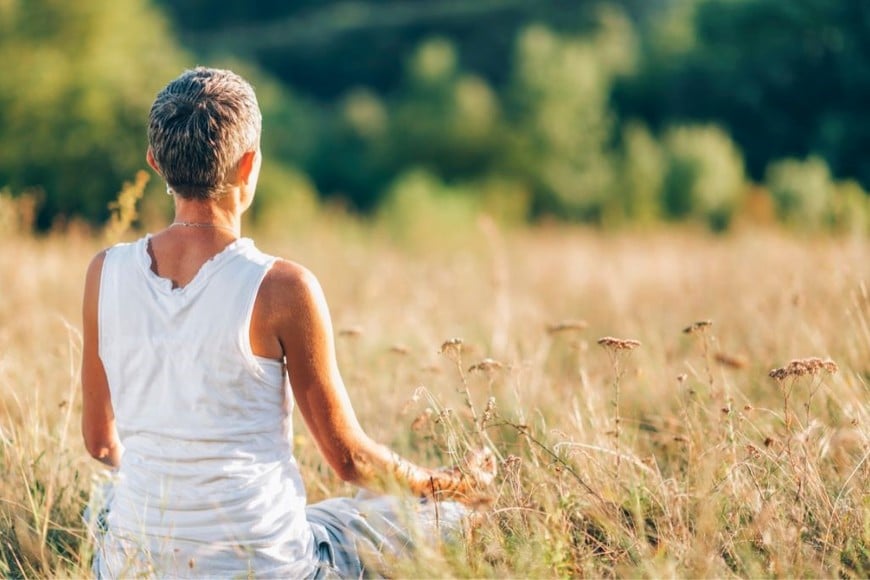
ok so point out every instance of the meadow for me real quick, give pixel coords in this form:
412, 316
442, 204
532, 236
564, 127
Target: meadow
665, 450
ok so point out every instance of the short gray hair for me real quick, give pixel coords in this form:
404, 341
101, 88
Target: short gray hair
199, 127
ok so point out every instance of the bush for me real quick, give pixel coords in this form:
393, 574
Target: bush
808, 196
802, 190
560, 123
851, 211
705, 177
420, 209
78, 79
642, 176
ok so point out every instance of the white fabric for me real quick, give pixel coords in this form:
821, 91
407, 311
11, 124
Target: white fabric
208, 485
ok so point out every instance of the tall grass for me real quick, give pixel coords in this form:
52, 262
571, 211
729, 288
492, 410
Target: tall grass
678, 457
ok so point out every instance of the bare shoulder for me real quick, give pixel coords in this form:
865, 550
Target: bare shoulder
289, 272
286, 275
96, 265
95, 270
91, 296
290, 285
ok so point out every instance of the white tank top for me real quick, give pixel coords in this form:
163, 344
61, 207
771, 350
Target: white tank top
208, 485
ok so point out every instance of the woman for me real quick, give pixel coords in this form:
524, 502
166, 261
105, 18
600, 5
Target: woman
192, 340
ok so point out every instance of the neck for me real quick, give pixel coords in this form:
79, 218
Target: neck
217, 214
203, 225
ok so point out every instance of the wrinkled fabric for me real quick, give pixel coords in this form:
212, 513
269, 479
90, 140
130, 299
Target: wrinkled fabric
364, 536
360, 537
208, 484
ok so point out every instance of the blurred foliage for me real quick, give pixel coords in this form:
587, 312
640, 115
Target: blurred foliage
562, 126
807, 195
77, 77
419, 208
609, 112
705, 177
802, 190
787, 79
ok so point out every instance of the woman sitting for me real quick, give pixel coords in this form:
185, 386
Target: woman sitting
196, 345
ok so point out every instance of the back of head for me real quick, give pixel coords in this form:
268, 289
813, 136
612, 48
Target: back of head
199, 127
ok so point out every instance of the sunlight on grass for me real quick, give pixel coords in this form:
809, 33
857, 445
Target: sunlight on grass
669, 453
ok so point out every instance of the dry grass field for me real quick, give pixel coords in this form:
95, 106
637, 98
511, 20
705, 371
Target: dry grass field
675, 457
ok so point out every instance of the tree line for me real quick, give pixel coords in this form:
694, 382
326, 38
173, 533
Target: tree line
604, 112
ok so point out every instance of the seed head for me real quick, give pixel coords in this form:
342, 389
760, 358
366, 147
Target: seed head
804, 366
350, 332
399, 349
450, 346
486, 365
731, 361
567, 326
512, 461
696, 326
618, 343
488, 411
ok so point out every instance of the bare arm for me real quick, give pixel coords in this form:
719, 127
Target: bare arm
98, 418
304, 330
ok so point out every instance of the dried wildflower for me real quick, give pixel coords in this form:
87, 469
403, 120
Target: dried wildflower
443, 415
618, 343
731, 361
453, 345
682, 378
778, 374
399, 349
802, 367
830, 366
421, 420
486, 365
350, 332
488, 412
123, 209
696, 326
567, 326
512, 461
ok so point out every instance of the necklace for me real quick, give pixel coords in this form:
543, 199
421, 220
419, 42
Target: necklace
204, 225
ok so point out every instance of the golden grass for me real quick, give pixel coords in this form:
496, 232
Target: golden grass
668, 454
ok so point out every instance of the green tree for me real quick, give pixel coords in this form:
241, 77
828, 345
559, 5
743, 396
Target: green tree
786, 79
78, 78
642, 176
561, 124
705, 176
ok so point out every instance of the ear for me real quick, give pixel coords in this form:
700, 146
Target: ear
149, 156
246, 167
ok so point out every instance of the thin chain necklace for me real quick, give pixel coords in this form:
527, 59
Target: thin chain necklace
204, 225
